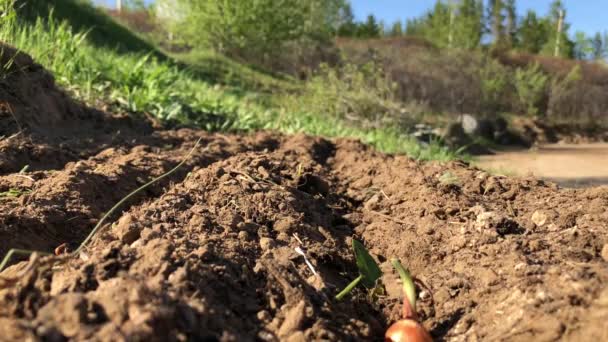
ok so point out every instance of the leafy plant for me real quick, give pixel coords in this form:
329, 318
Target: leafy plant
369, 272
13, 193
359, 94
531, 86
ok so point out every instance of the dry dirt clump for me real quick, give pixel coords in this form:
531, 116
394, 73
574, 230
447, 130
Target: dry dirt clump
212, 252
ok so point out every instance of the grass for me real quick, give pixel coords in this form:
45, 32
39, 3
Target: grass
99, 61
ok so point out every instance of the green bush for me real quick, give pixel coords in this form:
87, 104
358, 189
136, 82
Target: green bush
531, 87
359, 94
495, 84
256, 31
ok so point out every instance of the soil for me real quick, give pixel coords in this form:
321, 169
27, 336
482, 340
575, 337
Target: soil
210, 253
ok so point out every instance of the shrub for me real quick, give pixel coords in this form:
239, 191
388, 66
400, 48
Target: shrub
495, 86
359, 94
255, 31
531, 87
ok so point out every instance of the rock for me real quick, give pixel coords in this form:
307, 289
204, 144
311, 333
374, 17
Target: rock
293, 319
485, 129
605, 252
243, 235
284, 225
263, 316
477, 127
469, 123
266, 243
539, 218
500, 125
127, 230
455, 135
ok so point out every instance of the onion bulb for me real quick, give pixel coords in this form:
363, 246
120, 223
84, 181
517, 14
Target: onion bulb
407, 330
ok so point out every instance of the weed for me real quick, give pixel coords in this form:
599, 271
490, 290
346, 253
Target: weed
14, 193
369, 272
448, 178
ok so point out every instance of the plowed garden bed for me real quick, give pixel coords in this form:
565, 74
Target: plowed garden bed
209, 253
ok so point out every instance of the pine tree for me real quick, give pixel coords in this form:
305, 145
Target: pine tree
532, 33
597, 46
496, 21
468, 24
346, 26
396, 29
511, 24
558, 40
370, 28
438, 26
583, 46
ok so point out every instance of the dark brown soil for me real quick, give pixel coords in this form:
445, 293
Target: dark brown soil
210, 253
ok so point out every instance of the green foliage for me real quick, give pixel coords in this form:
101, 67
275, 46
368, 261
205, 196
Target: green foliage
494, 79
532, 33
82, 16
583, 46
367, 266
369, 272
250, 29
468, 24
14, 193
358, 93
212, 99
396, 29
370, 28
558, 40
496, 17
460, 25
531, 86
409, 288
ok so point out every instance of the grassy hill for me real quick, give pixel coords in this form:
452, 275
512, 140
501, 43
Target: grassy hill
102, 62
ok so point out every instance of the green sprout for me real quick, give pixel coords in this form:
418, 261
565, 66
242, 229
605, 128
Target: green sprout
14, 193
369, 272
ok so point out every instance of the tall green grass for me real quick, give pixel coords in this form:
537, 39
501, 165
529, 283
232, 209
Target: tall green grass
139, 82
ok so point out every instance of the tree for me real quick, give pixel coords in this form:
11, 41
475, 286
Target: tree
496, 21
558, 41
468, 24
532, 33
346, 26
370, 28
250, 28
598, 47
583, 46
511, 24
437, 28
396, 29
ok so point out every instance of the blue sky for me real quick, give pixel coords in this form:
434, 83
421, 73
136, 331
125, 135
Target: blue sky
584, 15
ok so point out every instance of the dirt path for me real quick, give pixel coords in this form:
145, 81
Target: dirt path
210, 254
580, 165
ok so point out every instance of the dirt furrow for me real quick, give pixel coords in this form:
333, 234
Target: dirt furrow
500, 254
41, 210
217, 247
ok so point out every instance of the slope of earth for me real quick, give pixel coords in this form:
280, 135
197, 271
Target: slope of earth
210, 254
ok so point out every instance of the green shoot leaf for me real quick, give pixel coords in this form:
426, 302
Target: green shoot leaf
369, 272
409, 288
368, 268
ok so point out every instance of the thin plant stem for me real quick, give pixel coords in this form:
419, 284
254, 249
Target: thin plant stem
349, 288
15, 251
129, 196
408, 282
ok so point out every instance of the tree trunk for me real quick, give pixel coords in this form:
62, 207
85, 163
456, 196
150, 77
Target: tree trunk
558, 39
